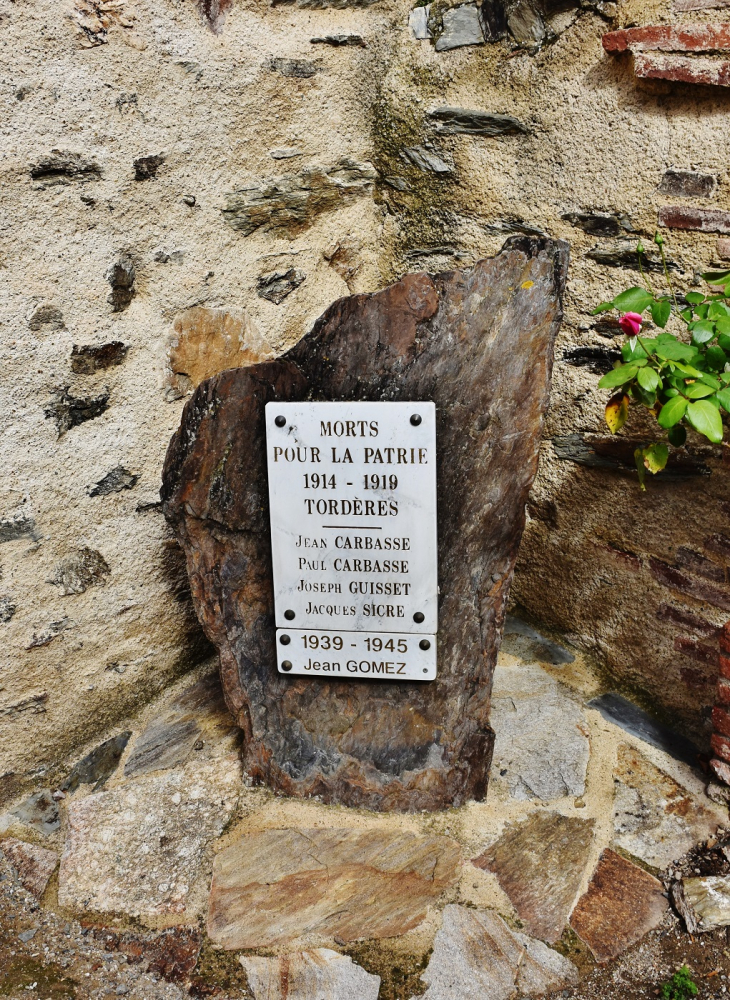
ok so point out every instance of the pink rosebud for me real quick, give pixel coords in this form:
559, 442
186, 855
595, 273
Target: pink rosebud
630, 323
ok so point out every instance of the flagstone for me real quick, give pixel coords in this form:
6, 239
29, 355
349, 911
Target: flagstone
306, 975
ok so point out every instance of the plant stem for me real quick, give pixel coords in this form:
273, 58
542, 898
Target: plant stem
666, 275
643, 276
644, 348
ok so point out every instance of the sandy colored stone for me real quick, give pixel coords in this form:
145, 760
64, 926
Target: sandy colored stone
540, 864
305, 975
206, 341
137, 849
469, 334
655, 819
34, 865
621, 905
541, 747
476, 956
275, 886
709, 899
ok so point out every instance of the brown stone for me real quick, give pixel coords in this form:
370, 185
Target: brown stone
207, 341
34, 865
171, 954
721, 770
670, 38
540, 864
621, 905
723, 244
477, 342
720, 746
275, 886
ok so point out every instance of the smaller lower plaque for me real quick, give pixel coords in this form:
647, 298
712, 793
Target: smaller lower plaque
370, 656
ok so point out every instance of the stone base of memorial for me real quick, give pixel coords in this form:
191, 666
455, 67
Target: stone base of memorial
479, 344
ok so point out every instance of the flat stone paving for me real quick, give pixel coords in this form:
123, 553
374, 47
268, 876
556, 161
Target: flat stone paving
178, 879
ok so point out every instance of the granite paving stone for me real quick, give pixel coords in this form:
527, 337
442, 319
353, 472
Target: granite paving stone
655, 819
274, 886
137, 849
621, 905
540, 864
477, 957
541, 749
305, 975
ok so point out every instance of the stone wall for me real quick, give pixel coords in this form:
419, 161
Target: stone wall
186, 188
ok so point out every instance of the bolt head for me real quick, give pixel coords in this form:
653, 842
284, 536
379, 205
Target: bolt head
289, 615
285, 640
416, 419
286, 665
280, 421
418, 617
424, 644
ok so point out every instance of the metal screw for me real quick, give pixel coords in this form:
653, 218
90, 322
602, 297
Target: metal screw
416, 419
424, 644
286, 665
285, 640
418, 617
280, 421
289, 615
425, 670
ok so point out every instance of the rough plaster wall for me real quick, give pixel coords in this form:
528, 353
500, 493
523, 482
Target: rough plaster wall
163, 84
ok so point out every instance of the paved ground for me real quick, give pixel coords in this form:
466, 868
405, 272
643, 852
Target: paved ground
150, 869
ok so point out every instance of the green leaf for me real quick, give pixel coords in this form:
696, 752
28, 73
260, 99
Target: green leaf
709, 380
661, 310
648, 379
723, 398
602, 308
723, 326
686, 315
640, 467
718, 310
672, 412
706, 420
687, 369
715, 358
619, 376
675, 351
694, 297
726, 293
633, 300
617, 411
715, 277
698, 390
702, 310
702, 331
655, 457
677, 435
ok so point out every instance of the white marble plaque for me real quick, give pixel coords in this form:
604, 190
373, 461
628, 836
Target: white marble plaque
352, 494
372, 656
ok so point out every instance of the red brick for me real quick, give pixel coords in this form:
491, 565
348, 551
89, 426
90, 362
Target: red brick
669, 576
696, 563
723, 691
721, 720
667, 38
681, 69
697, 650
720, 746
704, 220
721, 770
725, 666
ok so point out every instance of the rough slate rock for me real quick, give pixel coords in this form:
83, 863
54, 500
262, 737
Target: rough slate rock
709, 900
275, 886
621, 905
479, 343
465, 121
319, 973
34, 865
461, 27
540, 865
477, 957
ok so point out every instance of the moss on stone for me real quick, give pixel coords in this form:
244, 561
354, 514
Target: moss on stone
400, 974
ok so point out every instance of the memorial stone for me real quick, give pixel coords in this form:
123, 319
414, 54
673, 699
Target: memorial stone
468, 351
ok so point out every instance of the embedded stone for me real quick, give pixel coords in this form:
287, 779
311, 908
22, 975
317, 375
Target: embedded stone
541, 748
99, 765
276, 285
600, 223
146, 167
319, 973
61, 167
46, 315
205, 341
655, 819
709, 900
34, 864
465, 121
471, 334
291, 203
418, 22
476, 955
80, 570
688, 184
540, 865
461, 26
704, 220
69, 411
338, 41
298, 68
92, 358
621, 905
121, 276
275, 886
670, 38
113, 482
723, 249
171, 954
526, 24
426, 160
137, 848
